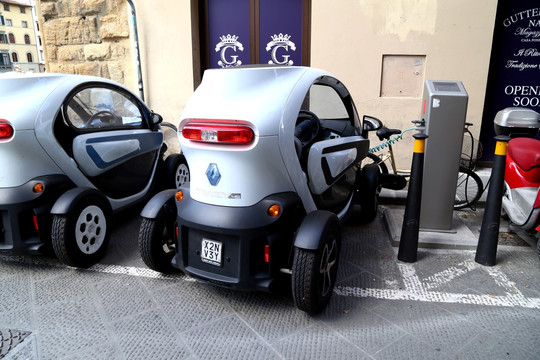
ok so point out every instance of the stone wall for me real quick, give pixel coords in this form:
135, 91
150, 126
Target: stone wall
89, 37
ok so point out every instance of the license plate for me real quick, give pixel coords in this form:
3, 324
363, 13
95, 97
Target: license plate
211, 252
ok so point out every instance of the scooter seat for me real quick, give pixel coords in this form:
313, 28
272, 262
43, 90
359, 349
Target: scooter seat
525, 152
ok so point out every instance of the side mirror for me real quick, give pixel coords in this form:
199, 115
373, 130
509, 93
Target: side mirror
155, 119
369, 123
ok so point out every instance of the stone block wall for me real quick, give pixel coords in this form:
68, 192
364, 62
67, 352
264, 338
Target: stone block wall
89, 37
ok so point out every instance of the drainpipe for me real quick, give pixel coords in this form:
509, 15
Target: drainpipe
138, 53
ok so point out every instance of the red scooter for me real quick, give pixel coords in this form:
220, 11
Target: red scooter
521, 199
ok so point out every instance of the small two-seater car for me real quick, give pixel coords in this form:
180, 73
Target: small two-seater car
275, 156
73, 150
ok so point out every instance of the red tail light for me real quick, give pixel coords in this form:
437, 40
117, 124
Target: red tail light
6, 130
219, 133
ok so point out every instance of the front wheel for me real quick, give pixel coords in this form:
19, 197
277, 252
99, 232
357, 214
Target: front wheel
156, 245
314, 272
177, 171
80, 237
367, 192
469, 188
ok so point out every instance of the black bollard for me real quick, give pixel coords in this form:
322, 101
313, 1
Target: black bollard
486, 251
408, 242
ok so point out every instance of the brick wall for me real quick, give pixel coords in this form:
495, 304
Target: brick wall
89, 37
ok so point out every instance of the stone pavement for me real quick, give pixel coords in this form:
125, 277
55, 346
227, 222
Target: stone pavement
444, 306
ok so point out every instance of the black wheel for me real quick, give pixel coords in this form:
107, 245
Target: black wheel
367, 191
156, 246
176, 171
80, 237
468, 189
377, 160
314, 272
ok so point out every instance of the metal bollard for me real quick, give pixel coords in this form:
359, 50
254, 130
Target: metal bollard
486, 251
408, 242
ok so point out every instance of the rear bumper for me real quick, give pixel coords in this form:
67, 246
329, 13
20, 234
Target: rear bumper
243, 233
25, 220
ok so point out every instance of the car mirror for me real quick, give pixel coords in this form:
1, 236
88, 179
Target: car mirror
155, 119
369, 123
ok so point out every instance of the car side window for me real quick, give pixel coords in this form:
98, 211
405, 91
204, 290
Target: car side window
326, 103
102, 108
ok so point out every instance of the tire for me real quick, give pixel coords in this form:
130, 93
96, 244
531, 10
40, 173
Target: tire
469, 188
156, 246
176, 171
367, 191
80, 237
377, 160
314, 272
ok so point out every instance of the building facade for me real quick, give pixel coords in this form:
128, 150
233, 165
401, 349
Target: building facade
383, 51
17, 38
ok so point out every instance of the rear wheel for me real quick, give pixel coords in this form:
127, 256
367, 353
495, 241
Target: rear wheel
314, 272
469, 188
156, 245
80, 237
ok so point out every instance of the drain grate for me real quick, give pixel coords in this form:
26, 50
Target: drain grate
9, 339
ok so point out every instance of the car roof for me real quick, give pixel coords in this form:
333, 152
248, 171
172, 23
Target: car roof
258, 94
24, 95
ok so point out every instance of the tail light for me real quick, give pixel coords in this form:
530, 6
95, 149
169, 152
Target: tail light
6, 130
218, 132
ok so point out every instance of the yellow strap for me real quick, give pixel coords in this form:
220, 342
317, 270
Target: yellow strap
500, 148
419, 145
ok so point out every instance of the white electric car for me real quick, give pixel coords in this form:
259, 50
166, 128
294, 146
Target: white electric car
74, 149
274, 156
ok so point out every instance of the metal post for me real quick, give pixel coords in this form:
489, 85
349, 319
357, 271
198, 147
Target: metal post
408, 243
486, 251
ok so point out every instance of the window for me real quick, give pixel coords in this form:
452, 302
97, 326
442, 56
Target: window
8, 22
102, 108
39, 39
24, 24
29, 57
14, 57
37, 26
6, 7
23, 10
4, 59
11, 38
2, 20
27, 39
3, 39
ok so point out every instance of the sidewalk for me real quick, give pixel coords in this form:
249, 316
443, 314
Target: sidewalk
444, 306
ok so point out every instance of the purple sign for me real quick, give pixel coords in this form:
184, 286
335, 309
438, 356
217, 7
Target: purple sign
280, 32
228, 33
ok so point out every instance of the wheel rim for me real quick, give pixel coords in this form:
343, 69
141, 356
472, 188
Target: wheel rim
327, 266
182, 175
90, 229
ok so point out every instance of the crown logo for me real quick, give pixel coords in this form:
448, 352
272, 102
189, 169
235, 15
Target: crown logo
280, 38
228, 39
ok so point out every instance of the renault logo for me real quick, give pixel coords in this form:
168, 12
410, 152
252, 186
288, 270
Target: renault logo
213, 175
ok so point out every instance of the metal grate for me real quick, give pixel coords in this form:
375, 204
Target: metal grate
9, 339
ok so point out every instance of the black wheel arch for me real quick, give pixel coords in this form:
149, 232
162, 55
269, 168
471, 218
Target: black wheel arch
68, 200
308, 236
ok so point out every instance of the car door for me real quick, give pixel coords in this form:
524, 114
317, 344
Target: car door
113, 143
331, 160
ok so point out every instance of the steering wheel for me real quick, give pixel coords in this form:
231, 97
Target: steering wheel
305, 131
104, 116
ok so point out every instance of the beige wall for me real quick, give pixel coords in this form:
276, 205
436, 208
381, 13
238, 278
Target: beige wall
166, 53
349, 39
